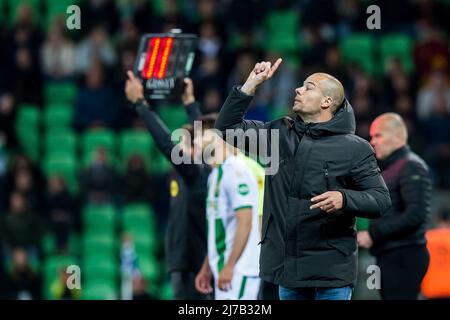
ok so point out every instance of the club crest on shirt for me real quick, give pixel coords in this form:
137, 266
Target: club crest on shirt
243, 189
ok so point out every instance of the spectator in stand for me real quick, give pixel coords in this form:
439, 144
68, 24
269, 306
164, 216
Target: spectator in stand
7, 120
137, 185
25, 184
208, 75
22, 228
3, 173
58, 55
431, 51
436, 87
96, 104
397, 82
22, 281
99, 182
60, 210
26, 78
105, 11
436, 128
212, 100
95, 47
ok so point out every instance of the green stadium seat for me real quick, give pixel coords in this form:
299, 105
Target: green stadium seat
145, 243
100, 291
150, 268
28, 115
61, 92
135, 142
27, 129
158, 7
397, 46
166, 293
29, 139
359, 48
173, 116
61, 142
104, 245
48, 244
58, 115
282, 28
138, 215
99, 217
3, 10
159, 164
100, 268
64, 165
362, 224
91, 140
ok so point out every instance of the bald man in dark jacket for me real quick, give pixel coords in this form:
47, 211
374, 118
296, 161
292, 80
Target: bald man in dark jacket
327, 176
397, 240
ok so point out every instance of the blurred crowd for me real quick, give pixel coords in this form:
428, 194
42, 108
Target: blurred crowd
232, 38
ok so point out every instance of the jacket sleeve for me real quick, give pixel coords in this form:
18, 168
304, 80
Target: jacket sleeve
193, 111
235, 130
162, 138
415, 190
368, 195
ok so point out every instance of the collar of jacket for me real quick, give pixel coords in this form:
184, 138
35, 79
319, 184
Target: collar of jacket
394, 156
343, 122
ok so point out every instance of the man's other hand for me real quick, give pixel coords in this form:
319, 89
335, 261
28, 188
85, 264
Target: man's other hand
329, 201
133, 88
203, 281
364, 239
188, 95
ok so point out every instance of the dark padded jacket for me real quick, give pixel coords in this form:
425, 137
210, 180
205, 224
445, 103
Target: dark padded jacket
302, 247
409, 182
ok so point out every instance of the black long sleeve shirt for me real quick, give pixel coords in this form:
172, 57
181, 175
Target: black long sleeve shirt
186, 233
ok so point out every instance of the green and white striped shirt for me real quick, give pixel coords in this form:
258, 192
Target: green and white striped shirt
232, 186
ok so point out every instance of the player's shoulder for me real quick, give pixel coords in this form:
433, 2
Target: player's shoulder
235, 167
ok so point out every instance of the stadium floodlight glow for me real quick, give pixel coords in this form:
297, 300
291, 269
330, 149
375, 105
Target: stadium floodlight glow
163, 61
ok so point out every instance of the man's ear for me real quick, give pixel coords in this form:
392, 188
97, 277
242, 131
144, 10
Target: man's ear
327, 102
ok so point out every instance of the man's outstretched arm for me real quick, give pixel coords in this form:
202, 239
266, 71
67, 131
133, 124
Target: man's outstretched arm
159, 131
231, 115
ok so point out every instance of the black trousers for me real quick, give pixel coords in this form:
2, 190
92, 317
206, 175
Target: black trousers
183, 286
402, 271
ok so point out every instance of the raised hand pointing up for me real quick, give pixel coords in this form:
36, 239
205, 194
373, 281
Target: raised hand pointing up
260, 73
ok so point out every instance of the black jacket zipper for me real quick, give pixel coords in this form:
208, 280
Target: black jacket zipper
327, 178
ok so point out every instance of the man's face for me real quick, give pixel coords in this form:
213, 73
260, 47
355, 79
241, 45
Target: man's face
382, 140
202, 141
309, 97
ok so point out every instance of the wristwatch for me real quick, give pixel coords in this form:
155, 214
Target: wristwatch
140, 101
